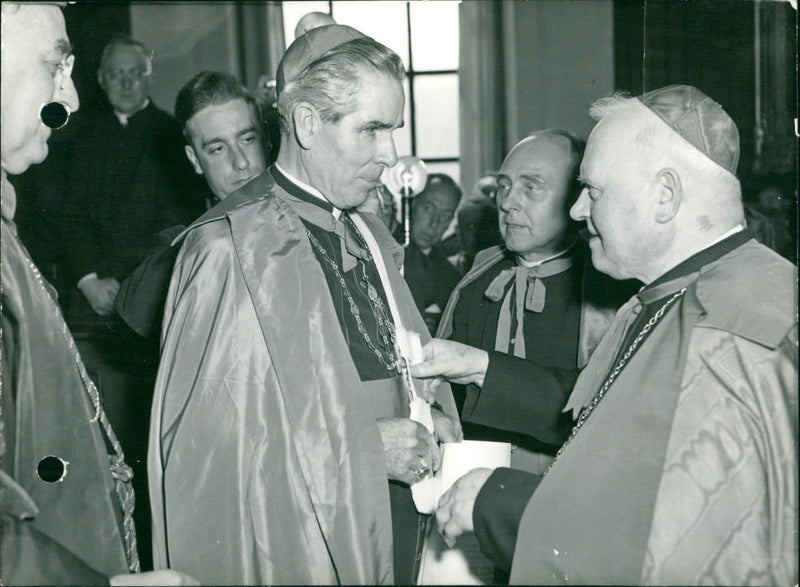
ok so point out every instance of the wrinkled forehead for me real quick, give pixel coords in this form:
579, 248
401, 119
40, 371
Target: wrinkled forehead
541, 152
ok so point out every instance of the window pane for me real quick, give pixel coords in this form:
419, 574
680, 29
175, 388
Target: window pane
293, 11
384, 20
436, 109
434, 35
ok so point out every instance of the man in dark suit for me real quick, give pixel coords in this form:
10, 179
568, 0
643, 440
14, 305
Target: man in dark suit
525, 319
225, 144
430, 276
130, 180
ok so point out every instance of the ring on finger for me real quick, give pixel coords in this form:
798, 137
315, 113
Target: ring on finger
421, 472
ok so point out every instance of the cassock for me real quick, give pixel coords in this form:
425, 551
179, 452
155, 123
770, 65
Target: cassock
686, 470
431, 278
62, 519
127, 183
266, 463
527, 385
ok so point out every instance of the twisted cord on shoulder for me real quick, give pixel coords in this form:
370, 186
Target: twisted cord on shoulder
120, 471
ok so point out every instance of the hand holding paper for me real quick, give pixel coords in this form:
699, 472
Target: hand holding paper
453, 361
454, 514
408, 447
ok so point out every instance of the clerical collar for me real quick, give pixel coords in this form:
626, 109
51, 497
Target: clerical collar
123, 118
729, 241
302, 190
529, 264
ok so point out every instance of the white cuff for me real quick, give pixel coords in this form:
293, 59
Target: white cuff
85, 278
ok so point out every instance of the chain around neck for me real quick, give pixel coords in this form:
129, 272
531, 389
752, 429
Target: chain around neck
586, 412
385, 325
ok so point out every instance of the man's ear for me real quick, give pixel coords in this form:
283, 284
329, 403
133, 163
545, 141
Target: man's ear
307, 124
100, 80
192, 156
669, 192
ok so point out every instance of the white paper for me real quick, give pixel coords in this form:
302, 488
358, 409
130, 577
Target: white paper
458, 458
410, 345
463, 564
461, 457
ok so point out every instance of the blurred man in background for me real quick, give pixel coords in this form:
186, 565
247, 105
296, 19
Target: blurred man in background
430, 276
130, 180
225, 144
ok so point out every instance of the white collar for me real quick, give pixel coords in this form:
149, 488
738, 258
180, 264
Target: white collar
530, 264
307, 188
738, 228
123, 118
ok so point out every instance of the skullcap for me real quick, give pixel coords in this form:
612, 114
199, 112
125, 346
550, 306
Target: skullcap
307, 48
699, 120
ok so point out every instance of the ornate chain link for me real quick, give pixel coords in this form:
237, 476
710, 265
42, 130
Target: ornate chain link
120, 471
385, 325
584, 415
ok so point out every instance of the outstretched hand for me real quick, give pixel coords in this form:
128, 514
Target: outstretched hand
454, 514
452, 361
101, 293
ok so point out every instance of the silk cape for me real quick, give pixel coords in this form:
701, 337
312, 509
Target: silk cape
686, 472
46, 411
266, 464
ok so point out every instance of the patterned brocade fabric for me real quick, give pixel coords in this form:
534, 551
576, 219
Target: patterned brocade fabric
730, 469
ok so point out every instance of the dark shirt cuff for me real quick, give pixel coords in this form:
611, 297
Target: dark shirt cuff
537, 393
498, 510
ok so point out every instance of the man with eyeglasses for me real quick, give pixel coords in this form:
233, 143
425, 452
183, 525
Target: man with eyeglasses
526, 318
430, 276
66, 507
132, 180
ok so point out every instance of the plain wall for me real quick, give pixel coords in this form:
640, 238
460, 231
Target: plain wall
559, 58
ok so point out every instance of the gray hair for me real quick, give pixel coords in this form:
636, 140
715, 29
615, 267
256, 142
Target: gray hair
657, 144
654, 138
127, 41
618, 103
331, 82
